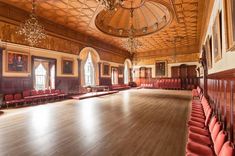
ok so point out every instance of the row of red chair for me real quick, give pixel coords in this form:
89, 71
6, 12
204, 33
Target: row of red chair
169, 83
33, 96
146, 85
205, 133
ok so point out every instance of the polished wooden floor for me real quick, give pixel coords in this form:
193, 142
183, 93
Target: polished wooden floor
130, 123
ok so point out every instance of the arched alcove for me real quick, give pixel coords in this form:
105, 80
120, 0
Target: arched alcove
127, 72
83, 55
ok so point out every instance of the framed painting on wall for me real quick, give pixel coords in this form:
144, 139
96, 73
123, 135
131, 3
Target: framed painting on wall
67, 66
229, 14
217, 39
120, 71
105, 69
17, 62
148, 72
142, 72
161, 68
208, 47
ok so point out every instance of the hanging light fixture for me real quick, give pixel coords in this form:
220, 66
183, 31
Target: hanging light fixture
110, 4
174, 41
132, 43
31, 29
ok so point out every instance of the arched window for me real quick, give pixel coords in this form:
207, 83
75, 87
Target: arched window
126, 74
52, 77
89, 71
40, 77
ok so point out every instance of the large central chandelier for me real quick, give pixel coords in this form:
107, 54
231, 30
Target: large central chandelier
31, 29
110, 4
132, 43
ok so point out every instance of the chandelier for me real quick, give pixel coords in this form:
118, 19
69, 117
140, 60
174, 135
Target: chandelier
31, 29
110, 4
132, 43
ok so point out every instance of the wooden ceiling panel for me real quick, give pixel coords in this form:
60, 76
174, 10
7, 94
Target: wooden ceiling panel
79, 15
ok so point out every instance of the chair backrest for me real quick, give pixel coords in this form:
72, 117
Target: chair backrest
57, 91
212, 123
26, 93
34, 92
209, 112
17, 96
52, 90
215, 131
41, 92
8, 97
47, 91
219, 141
227, 149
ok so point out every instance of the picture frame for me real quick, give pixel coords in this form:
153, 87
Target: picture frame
105, 69
161, 68
148, 72
120, 71
67, 65
229, 14
17, 62
208, 48
142, 72
217, 50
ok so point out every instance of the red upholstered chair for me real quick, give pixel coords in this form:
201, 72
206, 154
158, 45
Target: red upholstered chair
18, 99
200, 149
26, 96
9, 100
227, 149
34, 92
219, 141
204, 131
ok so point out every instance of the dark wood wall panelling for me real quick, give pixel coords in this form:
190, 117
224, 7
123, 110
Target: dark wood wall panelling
221, 95
67, 84
1, 70
105, 81
220, 92
183, 71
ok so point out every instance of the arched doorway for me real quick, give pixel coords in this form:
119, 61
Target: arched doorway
127, 71
89, 66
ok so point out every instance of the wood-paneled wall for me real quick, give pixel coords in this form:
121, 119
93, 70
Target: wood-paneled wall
183, 71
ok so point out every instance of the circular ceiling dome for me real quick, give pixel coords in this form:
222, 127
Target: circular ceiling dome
148, 17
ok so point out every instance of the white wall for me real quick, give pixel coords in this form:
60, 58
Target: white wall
228, 58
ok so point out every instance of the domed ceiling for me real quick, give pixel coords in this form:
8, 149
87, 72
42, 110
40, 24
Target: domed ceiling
144, 17
80, 15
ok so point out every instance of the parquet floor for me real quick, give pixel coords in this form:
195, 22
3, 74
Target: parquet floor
129, 123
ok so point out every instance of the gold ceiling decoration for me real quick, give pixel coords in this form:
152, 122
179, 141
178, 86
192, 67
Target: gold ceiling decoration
110, 4
32, 31
79, 15
148, 17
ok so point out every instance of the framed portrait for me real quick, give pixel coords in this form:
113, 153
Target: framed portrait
17, 62
142, 72
120, 71
229, 14
208, 48
148, 72
217, 51
105, 69
67, 66
161, 68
